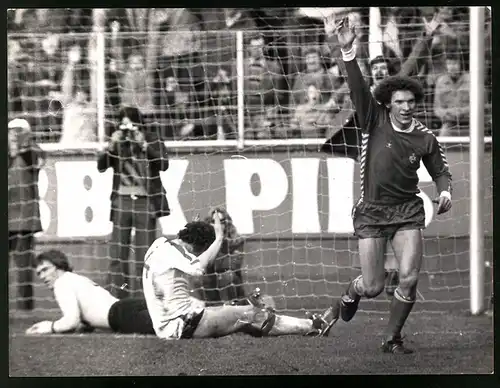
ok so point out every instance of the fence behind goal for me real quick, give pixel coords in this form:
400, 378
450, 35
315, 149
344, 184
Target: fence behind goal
291, 202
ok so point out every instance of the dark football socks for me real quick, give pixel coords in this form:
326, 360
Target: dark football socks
399, 311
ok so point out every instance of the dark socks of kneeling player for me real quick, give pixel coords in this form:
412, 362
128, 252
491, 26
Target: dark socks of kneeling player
400, 309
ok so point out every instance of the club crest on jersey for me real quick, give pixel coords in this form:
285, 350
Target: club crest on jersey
412, 158
389, 145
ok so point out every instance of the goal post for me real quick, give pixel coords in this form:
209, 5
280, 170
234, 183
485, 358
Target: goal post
477, 262
289, 201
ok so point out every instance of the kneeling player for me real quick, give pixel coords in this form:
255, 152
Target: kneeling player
84, 304
170, 266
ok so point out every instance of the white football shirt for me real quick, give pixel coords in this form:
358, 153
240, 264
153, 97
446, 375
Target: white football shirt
79, 298
166, 277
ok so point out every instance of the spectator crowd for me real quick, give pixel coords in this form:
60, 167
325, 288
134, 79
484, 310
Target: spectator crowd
178, 67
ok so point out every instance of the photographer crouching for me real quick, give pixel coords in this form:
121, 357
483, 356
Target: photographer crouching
137, 155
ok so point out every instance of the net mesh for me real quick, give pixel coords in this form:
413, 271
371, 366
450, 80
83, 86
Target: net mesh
179, 67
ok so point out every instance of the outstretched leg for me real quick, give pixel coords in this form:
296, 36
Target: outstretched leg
225, 320
256, 318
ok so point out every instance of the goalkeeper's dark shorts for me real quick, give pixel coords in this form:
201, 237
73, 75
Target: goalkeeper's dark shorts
191, 322
374, 221
129, 316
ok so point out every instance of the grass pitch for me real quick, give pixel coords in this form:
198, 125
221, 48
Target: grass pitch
443, 343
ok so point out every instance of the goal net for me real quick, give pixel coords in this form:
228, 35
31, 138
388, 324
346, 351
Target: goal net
206, 78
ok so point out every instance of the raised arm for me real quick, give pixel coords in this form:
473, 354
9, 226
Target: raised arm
361, 96
415, 60
412, 65
74, 56
67, 84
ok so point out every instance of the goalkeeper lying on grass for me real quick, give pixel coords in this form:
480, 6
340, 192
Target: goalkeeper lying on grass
170, 266
84, 304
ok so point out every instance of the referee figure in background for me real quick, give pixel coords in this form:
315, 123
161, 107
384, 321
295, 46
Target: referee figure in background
137, 155
25, 159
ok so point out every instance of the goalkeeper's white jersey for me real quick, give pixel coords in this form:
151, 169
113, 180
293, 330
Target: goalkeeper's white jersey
77, 294
166, 279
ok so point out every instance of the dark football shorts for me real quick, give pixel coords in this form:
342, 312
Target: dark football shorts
373, 221
191, 322
129, 316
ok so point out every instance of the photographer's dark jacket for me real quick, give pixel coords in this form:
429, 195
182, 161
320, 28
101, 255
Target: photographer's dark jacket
157, 160
24, 209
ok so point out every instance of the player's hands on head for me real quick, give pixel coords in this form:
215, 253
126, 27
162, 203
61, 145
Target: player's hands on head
444, 204
219, 233
44, 327
346, 33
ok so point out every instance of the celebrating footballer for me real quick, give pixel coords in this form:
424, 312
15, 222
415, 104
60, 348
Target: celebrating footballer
393, 144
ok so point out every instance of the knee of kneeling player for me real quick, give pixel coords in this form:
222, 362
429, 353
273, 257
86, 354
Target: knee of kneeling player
373, 290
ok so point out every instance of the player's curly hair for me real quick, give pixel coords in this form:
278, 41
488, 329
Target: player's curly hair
57, 258
383, 92
199, 234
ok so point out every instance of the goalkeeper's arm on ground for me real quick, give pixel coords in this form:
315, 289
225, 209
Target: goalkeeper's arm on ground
68, 303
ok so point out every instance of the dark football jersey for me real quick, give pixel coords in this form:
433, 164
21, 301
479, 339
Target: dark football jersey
389, 159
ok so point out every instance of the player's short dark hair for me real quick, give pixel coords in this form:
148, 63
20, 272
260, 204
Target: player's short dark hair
199, 234
382, 59
57, 258
383, 92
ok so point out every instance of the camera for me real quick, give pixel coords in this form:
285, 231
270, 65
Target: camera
127, 131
